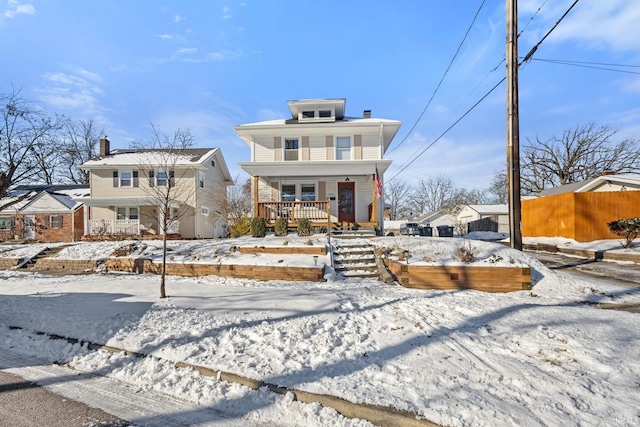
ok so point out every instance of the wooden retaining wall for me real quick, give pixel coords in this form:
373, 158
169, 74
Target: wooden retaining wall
56, 264
7, 263
145, 265
311, 250
487, 279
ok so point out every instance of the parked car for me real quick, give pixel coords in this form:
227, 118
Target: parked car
410, 229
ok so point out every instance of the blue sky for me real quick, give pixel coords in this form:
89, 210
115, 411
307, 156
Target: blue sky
210, 65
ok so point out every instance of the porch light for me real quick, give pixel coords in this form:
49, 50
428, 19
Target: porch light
347, 179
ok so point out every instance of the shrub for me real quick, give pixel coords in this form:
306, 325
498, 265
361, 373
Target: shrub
282, 227
304, 227
258, 227
240, 227
626, 228
466, 252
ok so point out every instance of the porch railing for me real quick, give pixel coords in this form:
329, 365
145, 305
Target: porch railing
316, 211
113, 226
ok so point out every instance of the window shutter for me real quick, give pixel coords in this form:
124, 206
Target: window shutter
115, 178
151, 179
135, 178
172, 181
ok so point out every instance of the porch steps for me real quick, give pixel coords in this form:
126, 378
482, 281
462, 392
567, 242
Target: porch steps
353, 232
355, 260
45, 253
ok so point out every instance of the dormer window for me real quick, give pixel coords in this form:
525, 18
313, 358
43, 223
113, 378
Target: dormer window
317, 115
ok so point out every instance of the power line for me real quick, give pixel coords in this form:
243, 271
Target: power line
442, 79
593, 65
449, 128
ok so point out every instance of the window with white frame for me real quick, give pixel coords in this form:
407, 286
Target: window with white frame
291, 149
201, 179
308, 192
126, 178
204, 210
288, 192
6, 223
123, 212
161, 179
343, 148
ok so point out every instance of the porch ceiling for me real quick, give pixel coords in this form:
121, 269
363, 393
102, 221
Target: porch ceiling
315, 168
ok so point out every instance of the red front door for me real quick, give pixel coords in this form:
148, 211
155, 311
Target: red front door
346, 202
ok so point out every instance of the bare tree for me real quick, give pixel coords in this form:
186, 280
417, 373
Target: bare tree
581, 153
432, 195
169, 185
81, 143
498, 188
25, 132
397, 195
238, 199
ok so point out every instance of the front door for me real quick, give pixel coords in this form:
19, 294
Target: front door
346, 202
29, 227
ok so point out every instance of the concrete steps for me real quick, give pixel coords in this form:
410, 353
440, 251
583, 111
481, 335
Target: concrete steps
355, 260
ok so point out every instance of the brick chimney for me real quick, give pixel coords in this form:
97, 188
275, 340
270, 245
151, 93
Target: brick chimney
105, 149
366, 114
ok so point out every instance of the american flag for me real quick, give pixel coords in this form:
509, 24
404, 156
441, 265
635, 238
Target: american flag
378, 184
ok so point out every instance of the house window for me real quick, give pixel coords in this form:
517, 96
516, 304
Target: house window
204, 210
308, 192
126, 179
291, 149
343, 148
325, 113
127, 213
55, 221
201, 179
6, 223
308, 114
288, 192
121, 213
133, 213
161, 179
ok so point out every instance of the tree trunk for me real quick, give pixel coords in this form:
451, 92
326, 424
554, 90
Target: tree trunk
164, 264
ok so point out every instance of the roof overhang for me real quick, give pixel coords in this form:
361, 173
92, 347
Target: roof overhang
316, 168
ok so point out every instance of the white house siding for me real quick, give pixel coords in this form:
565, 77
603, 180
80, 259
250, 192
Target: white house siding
370, 147
317, 148
45, 203
363, 199
264, 149
212, 196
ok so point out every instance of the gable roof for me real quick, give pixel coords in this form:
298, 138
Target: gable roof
62, 194
490, 209
189, 157
593, 183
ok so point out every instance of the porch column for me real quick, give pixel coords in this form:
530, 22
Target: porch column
255, 196
374, 197
85, 215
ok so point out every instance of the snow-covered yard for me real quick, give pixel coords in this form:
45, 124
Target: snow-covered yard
457, 358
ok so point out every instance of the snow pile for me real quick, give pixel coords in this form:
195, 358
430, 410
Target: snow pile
458, 358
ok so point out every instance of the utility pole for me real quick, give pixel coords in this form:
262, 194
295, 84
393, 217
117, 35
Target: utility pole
513, 127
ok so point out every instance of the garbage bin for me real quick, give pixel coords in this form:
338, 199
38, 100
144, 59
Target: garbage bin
445, 231
426, 231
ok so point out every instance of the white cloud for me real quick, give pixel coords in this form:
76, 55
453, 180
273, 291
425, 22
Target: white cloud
226, 13
164, 36
186, 50
178, 18
15, 8
76, 90
601, 25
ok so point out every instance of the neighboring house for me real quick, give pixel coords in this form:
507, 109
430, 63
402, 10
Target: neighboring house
127, 187
436, 218
46, 213
483, 218
319, 164
581, 211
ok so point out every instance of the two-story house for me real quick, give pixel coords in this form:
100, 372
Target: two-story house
131, 187
319, 164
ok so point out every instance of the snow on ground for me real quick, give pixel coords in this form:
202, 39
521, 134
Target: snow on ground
459, 358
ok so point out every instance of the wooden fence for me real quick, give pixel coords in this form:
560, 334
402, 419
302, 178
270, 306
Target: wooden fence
579, 216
